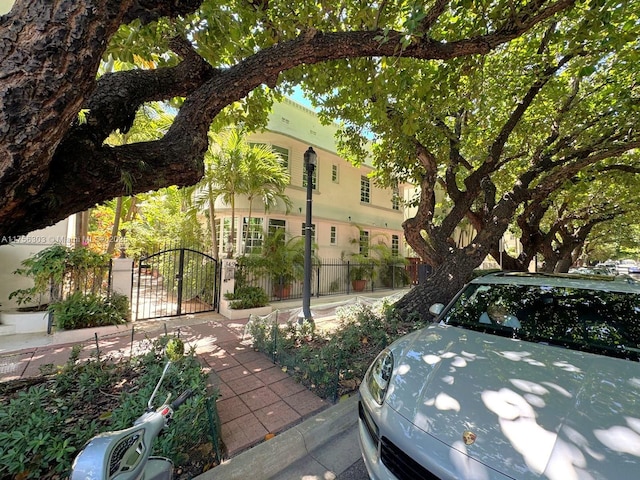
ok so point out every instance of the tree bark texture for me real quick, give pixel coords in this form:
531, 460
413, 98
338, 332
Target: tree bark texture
51, 166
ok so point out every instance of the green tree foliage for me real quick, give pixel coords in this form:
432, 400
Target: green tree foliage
165, 218
483, 136
214, 61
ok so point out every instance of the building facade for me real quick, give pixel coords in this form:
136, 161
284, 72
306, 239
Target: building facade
349, 211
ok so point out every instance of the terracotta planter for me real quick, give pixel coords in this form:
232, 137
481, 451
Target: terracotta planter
358, 285
282, 291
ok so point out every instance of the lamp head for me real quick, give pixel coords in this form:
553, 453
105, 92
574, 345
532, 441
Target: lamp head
310, 158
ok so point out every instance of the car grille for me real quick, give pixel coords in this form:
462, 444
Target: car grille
398, 462
401, 464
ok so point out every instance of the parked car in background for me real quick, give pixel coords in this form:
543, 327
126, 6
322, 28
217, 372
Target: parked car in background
593, 271
628, 266
524, 376
609, 266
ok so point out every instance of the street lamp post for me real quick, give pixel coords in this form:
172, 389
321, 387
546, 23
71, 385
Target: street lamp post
310, 160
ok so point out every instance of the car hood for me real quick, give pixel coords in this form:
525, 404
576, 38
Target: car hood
536, 410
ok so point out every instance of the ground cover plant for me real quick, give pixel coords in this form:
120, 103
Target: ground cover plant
45, 421
331, 362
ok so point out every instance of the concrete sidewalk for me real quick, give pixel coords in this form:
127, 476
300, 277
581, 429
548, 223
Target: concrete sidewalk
322, 447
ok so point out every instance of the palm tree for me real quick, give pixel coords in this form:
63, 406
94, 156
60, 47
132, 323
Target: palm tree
235, 167
266, 178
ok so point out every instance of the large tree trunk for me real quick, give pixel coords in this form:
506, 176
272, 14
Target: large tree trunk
441, 286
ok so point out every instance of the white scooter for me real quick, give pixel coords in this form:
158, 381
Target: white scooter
126, 454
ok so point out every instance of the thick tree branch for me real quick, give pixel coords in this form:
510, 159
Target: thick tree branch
48, 77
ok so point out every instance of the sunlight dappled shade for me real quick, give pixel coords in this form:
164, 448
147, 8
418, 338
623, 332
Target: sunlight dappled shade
528, 386
535, 400
459, 362
465, 466
442, 401
567, 367
448, 379
620, 439
561, 390
431, 359
326, 476
403, 369
518, 423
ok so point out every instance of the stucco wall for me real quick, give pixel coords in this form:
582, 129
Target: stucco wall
12, 254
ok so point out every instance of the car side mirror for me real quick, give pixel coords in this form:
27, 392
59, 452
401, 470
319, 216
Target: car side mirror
436, 309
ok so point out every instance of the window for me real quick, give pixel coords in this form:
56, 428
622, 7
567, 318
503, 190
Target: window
395, 199
314, 177
313, 230
284, 155
334, 236
282, 152
364, 189
277, 224
364, 243
334, 173
226, 232
252, 234
395, 245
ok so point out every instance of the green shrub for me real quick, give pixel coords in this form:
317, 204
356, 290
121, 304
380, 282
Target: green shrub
57, 265
44, 427
84, 311
247, 297
332, 364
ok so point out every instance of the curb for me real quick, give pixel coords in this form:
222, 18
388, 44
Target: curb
268, 459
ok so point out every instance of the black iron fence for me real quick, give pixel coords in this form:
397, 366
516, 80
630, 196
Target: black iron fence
88, 281
330, 277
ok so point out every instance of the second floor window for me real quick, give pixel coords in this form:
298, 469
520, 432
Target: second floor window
365, 189
314, 177
334, 173
334, 236
284, 155
313, 230
276, 224
395, 199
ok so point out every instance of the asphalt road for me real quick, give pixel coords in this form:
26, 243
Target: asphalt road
357, 471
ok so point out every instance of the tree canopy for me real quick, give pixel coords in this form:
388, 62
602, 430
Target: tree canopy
212, 60
489, 137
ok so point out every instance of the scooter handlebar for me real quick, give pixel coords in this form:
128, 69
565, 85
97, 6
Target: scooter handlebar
181, 399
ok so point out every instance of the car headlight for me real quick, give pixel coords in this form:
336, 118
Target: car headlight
379, 375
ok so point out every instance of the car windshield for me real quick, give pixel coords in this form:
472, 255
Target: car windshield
606, 323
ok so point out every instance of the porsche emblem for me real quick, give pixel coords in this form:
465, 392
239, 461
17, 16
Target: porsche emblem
469, 437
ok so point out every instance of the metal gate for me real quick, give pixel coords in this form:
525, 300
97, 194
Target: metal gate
174, 282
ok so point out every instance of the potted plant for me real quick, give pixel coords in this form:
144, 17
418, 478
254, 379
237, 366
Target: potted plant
361, 269
282, 260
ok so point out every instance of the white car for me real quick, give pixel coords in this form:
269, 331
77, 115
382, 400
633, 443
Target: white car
523, 376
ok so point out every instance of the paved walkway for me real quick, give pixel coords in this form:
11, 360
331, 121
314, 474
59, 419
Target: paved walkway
256, 396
